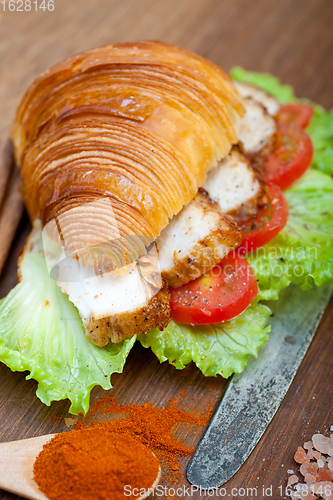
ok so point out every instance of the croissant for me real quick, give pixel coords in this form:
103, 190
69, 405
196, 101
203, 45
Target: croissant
112, 143
120, 138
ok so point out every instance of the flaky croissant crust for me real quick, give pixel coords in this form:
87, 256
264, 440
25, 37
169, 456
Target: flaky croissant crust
136, 123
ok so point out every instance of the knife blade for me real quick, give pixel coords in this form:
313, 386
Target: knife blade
253, 397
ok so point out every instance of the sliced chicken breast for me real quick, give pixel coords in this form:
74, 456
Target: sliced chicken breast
153, 313
112, 306
256, 129
118, 305
195, 240
234, 185
268, 101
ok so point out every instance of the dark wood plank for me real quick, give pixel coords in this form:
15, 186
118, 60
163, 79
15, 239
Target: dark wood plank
293, 40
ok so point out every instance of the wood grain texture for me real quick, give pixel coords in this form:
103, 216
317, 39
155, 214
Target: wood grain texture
290, 38
17, 460
10, 214
11, 202
6, 165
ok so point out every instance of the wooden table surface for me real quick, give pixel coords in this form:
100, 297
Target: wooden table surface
292, 39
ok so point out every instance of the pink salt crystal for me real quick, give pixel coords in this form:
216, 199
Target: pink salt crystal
298, 491
317, 455
320, 463
309, 478
306, 495
330, 448
309, 468
300, 456
308, 445
330, 464
310, 454
292, 480
295, 495
325, 474
323, 486
328, 496
321, 443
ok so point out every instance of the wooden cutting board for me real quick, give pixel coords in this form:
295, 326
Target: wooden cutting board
292, 39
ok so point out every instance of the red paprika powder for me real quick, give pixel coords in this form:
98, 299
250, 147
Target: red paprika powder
97, 459
94, 463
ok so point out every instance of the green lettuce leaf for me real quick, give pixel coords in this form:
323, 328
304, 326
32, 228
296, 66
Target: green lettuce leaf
41, 331
321, 132
219, 349
267, 82
321, 126
303, 252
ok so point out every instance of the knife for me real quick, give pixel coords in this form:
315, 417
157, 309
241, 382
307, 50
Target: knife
253, 397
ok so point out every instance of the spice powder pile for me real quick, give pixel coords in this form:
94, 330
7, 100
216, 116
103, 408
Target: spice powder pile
94, 464
90, 462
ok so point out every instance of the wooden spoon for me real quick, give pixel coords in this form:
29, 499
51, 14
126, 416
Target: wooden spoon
17, 460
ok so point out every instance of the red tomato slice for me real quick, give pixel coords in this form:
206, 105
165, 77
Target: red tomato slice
219, 295
300, 114
291, 158
267, 223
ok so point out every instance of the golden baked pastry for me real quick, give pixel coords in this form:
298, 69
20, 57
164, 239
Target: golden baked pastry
116, 140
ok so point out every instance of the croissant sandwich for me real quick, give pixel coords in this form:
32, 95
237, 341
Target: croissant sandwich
159, 193
132, 160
